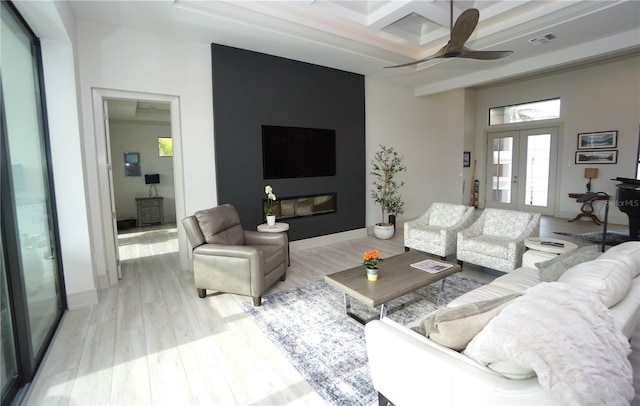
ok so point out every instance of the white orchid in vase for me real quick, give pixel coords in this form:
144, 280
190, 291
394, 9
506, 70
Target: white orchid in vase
269, 210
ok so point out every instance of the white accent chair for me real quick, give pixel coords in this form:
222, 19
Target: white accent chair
435, 232
496, 239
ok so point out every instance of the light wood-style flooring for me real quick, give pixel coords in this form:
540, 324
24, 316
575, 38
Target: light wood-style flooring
152, 341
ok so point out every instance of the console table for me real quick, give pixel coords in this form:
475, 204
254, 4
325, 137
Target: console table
587, 207
150, 211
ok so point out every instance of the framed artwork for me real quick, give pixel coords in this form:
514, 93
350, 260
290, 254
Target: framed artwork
598, 140
131, 164
597, 157
466, 159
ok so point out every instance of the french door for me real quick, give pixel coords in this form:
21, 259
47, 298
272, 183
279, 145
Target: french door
521, 170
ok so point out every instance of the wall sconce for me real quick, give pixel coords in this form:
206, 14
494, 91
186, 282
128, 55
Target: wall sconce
591, 173
152, 180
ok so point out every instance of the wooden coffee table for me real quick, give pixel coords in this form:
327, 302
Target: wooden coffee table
396, 278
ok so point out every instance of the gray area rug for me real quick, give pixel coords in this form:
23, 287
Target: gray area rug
613, 237
327, 347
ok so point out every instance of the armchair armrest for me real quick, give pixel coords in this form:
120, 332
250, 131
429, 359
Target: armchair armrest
258, 238
218, 250
424, 219
474, 230
532, 229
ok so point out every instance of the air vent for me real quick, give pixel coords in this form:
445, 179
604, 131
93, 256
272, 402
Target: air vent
543, 39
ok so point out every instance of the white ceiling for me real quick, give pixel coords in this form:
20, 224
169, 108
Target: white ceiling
366, 36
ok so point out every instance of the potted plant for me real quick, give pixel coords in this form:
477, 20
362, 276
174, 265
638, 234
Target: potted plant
269, 210
386, 164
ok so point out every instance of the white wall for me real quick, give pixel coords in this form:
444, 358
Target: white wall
428, 131
121, 59
601, 97
143, 139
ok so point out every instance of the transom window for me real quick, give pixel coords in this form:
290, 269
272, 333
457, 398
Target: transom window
518, 113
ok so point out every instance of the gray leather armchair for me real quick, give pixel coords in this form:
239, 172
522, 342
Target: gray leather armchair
228, 259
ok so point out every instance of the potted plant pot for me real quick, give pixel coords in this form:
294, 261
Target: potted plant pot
271, 220
383, 231
372, 274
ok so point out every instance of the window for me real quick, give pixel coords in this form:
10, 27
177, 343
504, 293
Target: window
518, 113
165, 146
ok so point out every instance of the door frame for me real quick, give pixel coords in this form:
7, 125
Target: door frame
99, 96
527, 126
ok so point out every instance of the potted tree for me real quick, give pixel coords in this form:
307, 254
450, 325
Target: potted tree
386, 164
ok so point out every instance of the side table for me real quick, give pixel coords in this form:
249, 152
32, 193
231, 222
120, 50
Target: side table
586, 210
538, 252
277, 228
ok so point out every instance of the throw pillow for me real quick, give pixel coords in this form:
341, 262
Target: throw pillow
609, 278
454, 327
551, 270
629, 253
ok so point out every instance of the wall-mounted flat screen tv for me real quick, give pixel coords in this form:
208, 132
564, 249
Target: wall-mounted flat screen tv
295, 152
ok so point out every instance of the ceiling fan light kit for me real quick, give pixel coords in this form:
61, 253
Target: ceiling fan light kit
460, 33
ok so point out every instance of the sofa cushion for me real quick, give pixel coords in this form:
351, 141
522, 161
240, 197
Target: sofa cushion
610, 279
489, 245
454, 327
551, 270
629, 253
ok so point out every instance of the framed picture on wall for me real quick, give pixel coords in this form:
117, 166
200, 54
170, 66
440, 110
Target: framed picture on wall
131, 164
466, 159
598, 140
597, 157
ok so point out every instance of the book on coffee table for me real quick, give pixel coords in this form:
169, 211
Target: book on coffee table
431, 266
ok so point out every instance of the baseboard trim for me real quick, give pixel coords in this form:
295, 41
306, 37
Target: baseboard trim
77, 301
323, 240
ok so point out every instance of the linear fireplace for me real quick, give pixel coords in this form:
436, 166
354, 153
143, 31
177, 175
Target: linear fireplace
303, 206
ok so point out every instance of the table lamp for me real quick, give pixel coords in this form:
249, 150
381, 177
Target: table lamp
590, 173
151, 180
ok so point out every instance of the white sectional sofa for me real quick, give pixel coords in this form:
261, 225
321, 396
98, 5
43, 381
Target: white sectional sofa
407, 368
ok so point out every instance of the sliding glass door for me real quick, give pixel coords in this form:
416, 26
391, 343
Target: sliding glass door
31, 293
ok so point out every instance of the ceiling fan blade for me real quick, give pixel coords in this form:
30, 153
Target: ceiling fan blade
438, 54
463, 28
483, 55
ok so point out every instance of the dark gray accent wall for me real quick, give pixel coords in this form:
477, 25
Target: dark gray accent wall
251, 89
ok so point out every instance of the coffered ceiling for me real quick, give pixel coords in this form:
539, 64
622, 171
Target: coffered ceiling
368, 36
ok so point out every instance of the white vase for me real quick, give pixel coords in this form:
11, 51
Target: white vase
271, 220
383, 232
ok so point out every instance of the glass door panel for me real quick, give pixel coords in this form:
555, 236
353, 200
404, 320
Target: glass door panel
32, 300
28, 170
521, 168
8, 361
502, 169
537, 179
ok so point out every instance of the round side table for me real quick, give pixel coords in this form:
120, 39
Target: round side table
556, 247
277, 228
538, 252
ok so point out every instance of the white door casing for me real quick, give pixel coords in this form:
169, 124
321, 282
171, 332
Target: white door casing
107, 229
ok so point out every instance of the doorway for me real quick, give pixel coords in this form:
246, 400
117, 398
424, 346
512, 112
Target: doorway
522, 169
111, 166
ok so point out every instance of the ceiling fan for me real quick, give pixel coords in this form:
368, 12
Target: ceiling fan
460, 33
